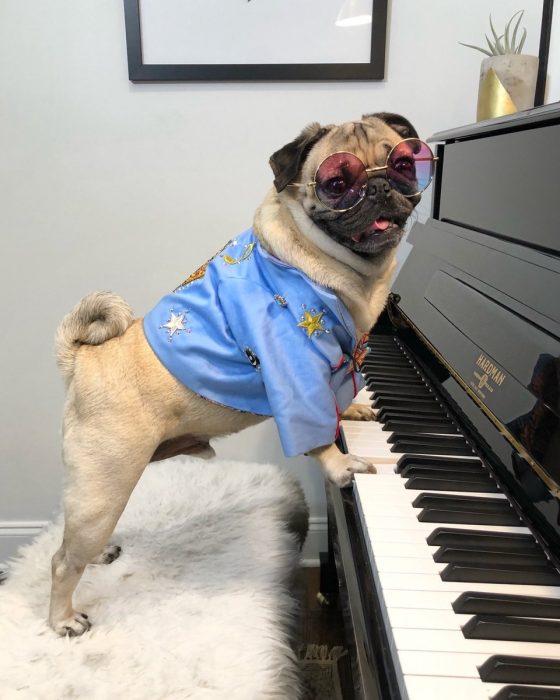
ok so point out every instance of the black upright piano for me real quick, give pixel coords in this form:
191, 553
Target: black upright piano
447, 561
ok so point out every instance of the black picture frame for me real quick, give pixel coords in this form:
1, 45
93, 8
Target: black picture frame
544, 49
139, 72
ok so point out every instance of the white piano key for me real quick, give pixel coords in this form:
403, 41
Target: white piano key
442, 688
432, 582
363, 397
443, 599
389, 523
380, 490
368, 439
410, 565
440, 664
453, 641
404, 548
425, 619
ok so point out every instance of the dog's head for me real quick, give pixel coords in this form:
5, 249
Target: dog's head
374, 223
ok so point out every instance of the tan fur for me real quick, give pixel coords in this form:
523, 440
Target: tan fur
124, 409
364, 296
95, 319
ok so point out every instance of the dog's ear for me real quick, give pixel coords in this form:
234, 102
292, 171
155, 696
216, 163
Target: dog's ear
287, 161
399, 124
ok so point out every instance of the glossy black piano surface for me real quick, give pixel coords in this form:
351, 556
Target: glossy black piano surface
476, 309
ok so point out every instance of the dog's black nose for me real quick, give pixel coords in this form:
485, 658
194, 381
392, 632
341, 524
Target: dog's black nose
378, 188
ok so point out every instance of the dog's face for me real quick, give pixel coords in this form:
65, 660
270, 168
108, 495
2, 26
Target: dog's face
375, 224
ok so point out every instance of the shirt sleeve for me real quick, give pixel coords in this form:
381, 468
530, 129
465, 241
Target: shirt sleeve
296, 377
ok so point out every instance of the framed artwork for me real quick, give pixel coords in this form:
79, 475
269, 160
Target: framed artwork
255, 40
550, 28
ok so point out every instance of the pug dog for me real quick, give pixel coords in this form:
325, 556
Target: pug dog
273, 325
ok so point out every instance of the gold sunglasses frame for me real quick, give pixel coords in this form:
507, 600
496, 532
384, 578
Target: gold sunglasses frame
368, 171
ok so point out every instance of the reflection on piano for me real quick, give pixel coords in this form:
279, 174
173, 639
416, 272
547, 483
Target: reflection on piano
448, 558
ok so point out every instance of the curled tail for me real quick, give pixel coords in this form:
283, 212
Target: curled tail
95, 319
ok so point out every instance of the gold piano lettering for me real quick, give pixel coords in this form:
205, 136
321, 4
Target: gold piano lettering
491, 370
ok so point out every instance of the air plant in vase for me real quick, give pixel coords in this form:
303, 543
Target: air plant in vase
507, 76
508, 46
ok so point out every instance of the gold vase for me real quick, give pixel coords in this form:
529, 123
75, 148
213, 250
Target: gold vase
507, 85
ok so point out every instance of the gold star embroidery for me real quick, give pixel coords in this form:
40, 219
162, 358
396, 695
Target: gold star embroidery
175, 324
312, 324
247, 250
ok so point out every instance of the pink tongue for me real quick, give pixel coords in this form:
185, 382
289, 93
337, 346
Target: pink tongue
378, 225
381, 224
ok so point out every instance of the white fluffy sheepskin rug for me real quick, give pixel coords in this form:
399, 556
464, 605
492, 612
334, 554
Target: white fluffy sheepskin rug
197, 607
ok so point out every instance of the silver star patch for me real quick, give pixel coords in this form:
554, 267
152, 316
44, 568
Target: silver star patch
176, 324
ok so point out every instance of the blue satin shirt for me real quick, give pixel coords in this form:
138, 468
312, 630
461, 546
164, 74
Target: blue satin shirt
250, 332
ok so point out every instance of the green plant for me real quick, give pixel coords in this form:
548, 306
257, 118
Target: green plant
503, 44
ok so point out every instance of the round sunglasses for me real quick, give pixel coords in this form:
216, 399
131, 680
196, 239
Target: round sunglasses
341, 180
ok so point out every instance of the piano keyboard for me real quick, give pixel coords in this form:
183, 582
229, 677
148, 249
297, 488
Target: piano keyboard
470, 602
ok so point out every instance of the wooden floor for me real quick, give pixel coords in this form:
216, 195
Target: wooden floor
320, 625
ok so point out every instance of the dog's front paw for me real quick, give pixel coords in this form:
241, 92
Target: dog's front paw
343, 472
358, 411
73, 626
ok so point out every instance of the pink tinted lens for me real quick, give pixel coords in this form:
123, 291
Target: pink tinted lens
410, 167
341, 181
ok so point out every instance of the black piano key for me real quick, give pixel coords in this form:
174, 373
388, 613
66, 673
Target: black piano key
406, 372
402, 391
441, 442
441, 471
402, 396
433, 461
440, 515
470, 503
450, 440
389, 363
503, 541
373, 371
420, 426
380, 378
390, 344
395, 390
427, 411
419, 446
512, 629
373, 379
523, 575
475, 557
520, 669
504, 604
433, 483
432, 414
380, 373
419, 404
384, 363
400, 377
382, 339
408, 389
526, 692
381, 348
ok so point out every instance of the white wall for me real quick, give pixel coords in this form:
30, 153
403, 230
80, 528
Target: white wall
109, 185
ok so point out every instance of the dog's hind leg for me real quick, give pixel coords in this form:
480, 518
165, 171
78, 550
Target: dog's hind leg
100, 481
108, 555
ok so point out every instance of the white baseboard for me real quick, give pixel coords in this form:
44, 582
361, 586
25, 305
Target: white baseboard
316, 541
14, 533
